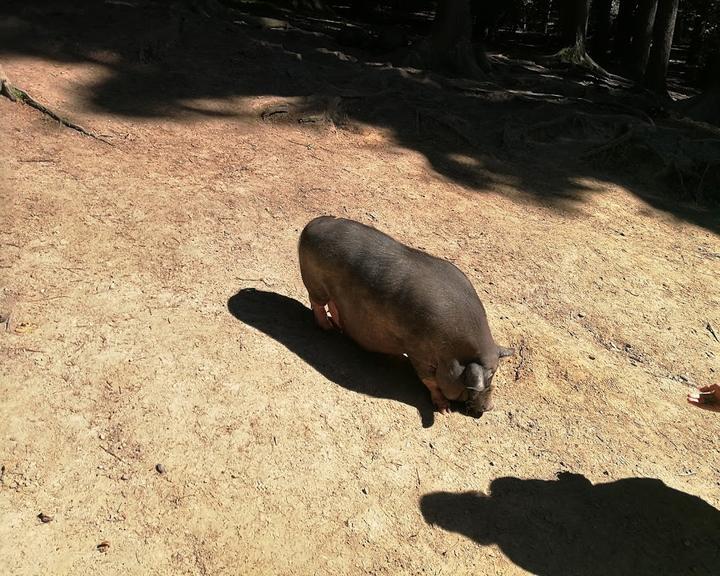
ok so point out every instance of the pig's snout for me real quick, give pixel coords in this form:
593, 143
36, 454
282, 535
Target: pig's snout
479, 403
479, 389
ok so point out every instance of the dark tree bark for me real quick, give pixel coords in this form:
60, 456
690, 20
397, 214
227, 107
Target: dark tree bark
311, 5
706, 106
642, 38
451, 45
546, 16
698, 27
656, 71
573, 21
624, 21
601, 42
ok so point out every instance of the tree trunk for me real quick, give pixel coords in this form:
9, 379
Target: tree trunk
656, 71
451, 41
601, 42
573, 21
546, 17
642, 37
624, 21
706, 106
698, 27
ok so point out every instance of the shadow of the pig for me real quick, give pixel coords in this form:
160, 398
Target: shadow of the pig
333, 355
568, 526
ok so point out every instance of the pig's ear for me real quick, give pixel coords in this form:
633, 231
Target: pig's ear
505, 352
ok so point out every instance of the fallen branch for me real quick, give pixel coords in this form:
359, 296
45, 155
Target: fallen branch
112, 454
15, 94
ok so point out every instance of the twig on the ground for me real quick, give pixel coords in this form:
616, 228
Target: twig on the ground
274, 109
521, 364
680, 177
710, 329
15, 94
47, 298
112, 454
698, 190
263, 280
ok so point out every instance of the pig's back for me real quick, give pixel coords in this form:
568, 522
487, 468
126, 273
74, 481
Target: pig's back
391, 297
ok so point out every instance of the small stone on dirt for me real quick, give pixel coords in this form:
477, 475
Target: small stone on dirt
44, 518
365, 491
103, 546
24, 328
160, 469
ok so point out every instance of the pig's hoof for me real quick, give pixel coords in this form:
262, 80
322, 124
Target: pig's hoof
442, 405
321, 317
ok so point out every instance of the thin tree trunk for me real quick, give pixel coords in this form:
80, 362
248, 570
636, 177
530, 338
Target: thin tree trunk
451, 40
573, 21
699, 24
547, 14
642, 37
626, 12
601, 42
656, 71
574, 18
706, 106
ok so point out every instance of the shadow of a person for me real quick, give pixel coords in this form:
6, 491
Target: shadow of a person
568, 526
332, 354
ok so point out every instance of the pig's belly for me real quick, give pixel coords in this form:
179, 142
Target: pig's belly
372, 329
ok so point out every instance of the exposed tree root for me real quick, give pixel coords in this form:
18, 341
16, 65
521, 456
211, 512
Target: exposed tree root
461, 59
628, 135
453, 123
704, 107
576, 55
15, 94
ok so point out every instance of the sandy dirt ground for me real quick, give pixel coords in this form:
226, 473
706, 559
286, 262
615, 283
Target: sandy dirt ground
154, 315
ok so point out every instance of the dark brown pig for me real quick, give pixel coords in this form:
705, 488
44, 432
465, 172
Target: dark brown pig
394, 299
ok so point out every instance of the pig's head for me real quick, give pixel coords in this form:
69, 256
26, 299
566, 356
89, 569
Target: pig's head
474, 381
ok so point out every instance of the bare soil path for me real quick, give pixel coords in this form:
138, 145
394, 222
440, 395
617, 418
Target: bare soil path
131, 338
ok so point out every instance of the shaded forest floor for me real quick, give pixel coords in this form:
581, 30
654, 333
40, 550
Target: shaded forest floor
153, 311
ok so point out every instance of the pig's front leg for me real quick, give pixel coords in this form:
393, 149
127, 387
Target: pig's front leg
438, 398
321, 316
427, 375
334, 315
